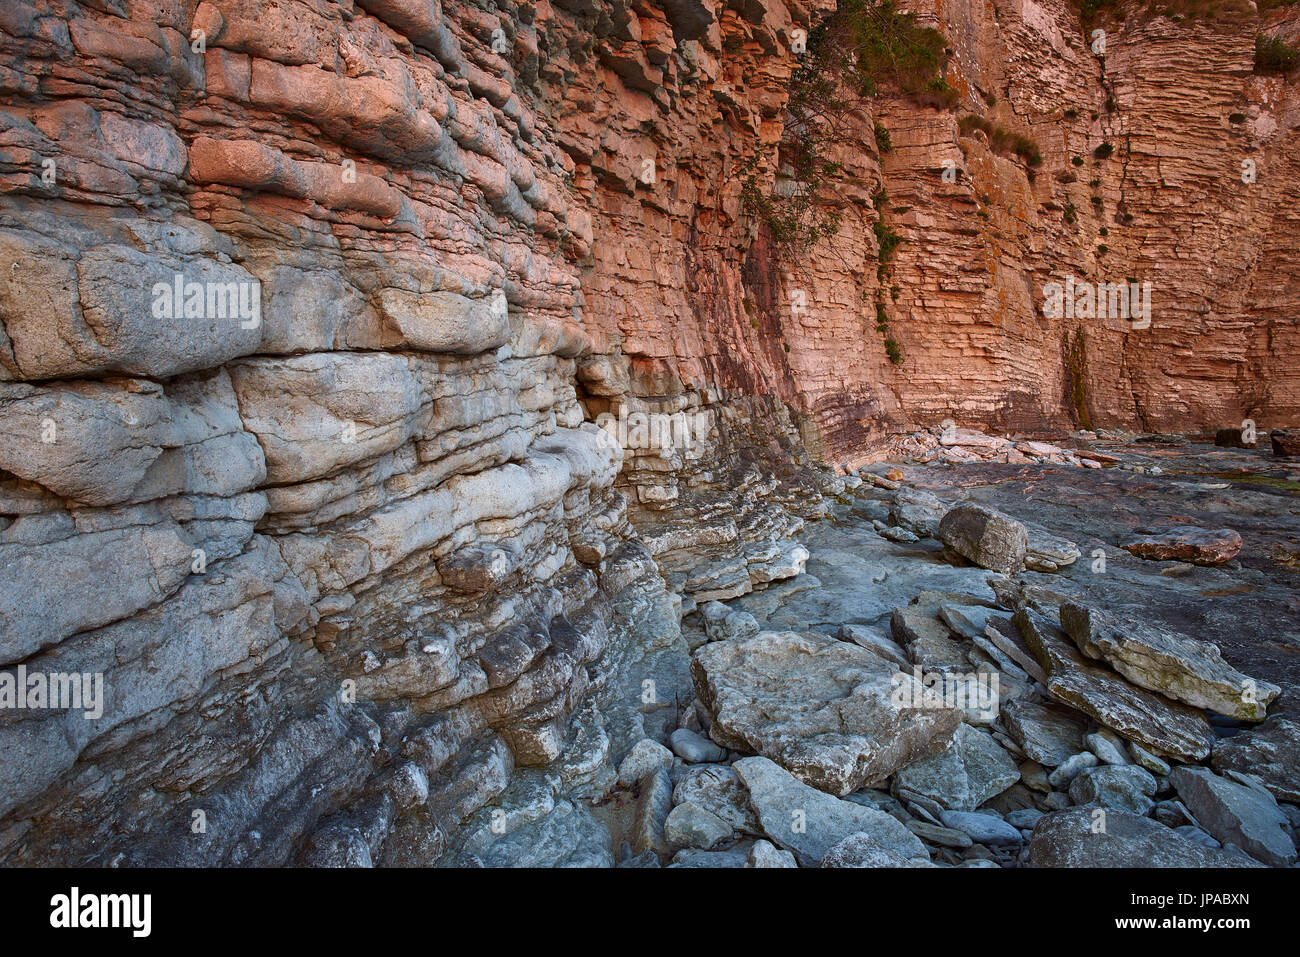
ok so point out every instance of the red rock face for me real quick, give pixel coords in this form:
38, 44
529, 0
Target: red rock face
587, 160
693, 295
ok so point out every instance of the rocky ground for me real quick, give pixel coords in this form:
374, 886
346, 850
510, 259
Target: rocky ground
1143, 712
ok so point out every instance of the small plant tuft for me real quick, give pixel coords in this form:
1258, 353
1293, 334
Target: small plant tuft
1274, 56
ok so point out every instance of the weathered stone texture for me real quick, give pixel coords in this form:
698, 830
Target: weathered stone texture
337, 527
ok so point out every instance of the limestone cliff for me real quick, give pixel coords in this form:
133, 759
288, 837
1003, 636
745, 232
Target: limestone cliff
308, 310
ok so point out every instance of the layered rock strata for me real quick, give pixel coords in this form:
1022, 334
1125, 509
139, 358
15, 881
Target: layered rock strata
310, 311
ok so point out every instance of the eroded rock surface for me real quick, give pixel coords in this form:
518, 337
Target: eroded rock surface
831, 713
1177, 666
1073, 838
307, 333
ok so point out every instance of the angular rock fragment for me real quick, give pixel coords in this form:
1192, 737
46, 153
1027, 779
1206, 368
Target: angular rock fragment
809, 822
1165, 726
929, 642
1047, 733
835, 715
721, 623
645, 758
1271, 752
1144, 758
1186, 543
974, 769
875, 642
1002, 634
1236, 814
1123, 787
1179, 667
717, 789
1032, 775
653, 805
689, 825
967, 621
1078, 837
766, 854
1108, 746
986, 537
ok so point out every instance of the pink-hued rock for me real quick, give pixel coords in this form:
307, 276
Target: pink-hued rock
1038, 449
1187, 543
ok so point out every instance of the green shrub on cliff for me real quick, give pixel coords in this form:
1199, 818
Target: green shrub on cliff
861, 50
886, 48
1002, 140
1275, 56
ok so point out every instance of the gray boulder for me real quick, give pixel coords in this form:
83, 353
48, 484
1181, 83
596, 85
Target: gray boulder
835, 715
1236, 814
1096, 837
974, 769
1123, 787
986, 537
809, 822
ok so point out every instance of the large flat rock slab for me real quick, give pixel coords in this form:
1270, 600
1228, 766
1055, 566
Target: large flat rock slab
809, 822
1150, 719
1177, 666
1092, 837
835, 715
1186, 543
